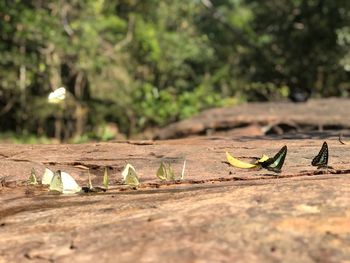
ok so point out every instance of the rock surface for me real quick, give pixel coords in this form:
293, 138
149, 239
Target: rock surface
264, 118
216, 214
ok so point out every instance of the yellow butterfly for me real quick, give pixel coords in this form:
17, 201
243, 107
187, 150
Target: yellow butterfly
105, 181
240, 164
130, 176
165, 172
32, 178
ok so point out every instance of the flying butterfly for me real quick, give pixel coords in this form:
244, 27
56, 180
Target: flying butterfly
57, 95
275, 163
321, 159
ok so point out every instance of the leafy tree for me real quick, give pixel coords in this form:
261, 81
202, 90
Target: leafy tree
297, 45
142, 64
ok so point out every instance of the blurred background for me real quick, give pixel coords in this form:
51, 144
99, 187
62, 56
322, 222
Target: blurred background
130, 67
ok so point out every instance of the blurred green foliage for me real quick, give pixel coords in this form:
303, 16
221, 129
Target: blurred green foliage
144, 64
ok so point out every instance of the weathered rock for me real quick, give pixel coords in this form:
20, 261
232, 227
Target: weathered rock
265, 118
217, 214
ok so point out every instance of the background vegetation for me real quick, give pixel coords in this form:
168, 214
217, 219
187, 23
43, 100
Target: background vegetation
143, 64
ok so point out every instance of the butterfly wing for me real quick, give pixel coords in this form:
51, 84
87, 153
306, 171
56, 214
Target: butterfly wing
170, 175
275, 164
321, 159
56, 182
126, 170
105, 178
57, 95
183, 170
47, 177
161, 172
70, 186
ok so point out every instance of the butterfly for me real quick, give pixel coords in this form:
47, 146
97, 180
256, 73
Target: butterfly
321, 159
64, 183
56, 183
130, 176
275, 163
105, 181
47, 177
32, 178
57, 95
165, 172
183, 170
96, 189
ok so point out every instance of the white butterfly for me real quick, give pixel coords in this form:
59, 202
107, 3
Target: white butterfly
64, 183
126, 170
57, 95
47, 177
129, 176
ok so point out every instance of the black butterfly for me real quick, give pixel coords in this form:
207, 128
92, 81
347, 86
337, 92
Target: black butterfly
275, 164
321, 159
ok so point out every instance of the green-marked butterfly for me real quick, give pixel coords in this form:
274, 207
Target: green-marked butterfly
56, 182
275, 163
321, 159
32, 178
165, 172
105, 181
130, 176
